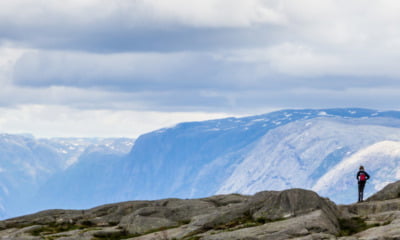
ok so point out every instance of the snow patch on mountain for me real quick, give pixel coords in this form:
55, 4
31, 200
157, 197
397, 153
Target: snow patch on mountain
300, 153
381, 161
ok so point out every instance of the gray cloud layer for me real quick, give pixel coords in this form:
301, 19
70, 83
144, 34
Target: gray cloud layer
123, 25
209, 55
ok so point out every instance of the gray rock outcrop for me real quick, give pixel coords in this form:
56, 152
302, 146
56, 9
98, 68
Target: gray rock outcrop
290, 214
391, 191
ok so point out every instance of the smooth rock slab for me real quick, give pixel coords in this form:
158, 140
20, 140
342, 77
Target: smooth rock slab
315, 222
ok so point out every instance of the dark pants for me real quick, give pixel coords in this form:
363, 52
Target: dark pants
361, 186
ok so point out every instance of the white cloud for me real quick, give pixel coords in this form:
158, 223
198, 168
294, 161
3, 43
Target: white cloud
305, 60
204, 13
8, 58
217, 13
343, 22
37, 13
202, 55
61, 121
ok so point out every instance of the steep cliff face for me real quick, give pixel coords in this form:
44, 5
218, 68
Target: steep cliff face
290, 214
311, 149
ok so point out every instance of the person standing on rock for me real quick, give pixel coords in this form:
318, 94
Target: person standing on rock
362, 177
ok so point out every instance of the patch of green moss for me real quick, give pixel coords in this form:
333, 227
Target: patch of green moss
232, 224
123, 234
55, 228
87, 223
350, 226
193, 238
386, 223
52, 238
262, 220
193, 235
113, 235
183, 222
161, 229
245, 221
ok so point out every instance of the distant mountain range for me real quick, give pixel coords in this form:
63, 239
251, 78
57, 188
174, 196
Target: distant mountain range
319, 150
28, 164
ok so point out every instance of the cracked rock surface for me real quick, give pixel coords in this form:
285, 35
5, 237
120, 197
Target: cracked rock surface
290, 214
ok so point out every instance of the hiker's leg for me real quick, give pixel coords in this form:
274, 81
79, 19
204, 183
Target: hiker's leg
362, 185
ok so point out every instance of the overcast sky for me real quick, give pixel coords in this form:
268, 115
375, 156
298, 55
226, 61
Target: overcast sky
113, 68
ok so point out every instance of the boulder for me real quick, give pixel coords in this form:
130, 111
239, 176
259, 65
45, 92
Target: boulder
391, 191
275, 205
163, 214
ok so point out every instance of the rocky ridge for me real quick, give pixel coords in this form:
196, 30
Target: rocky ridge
290, 214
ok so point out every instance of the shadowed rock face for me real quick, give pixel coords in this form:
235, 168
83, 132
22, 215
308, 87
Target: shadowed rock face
276, 205
290, 214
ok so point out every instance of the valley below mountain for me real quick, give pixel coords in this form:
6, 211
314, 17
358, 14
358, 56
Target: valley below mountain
314, 149
28, 165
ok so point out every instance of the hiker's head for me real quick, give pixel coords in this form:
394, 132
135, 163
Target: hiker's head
361, 167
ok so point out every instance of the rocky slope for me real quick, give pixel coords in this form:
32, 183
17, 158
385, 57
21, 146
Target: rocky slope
290, 214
